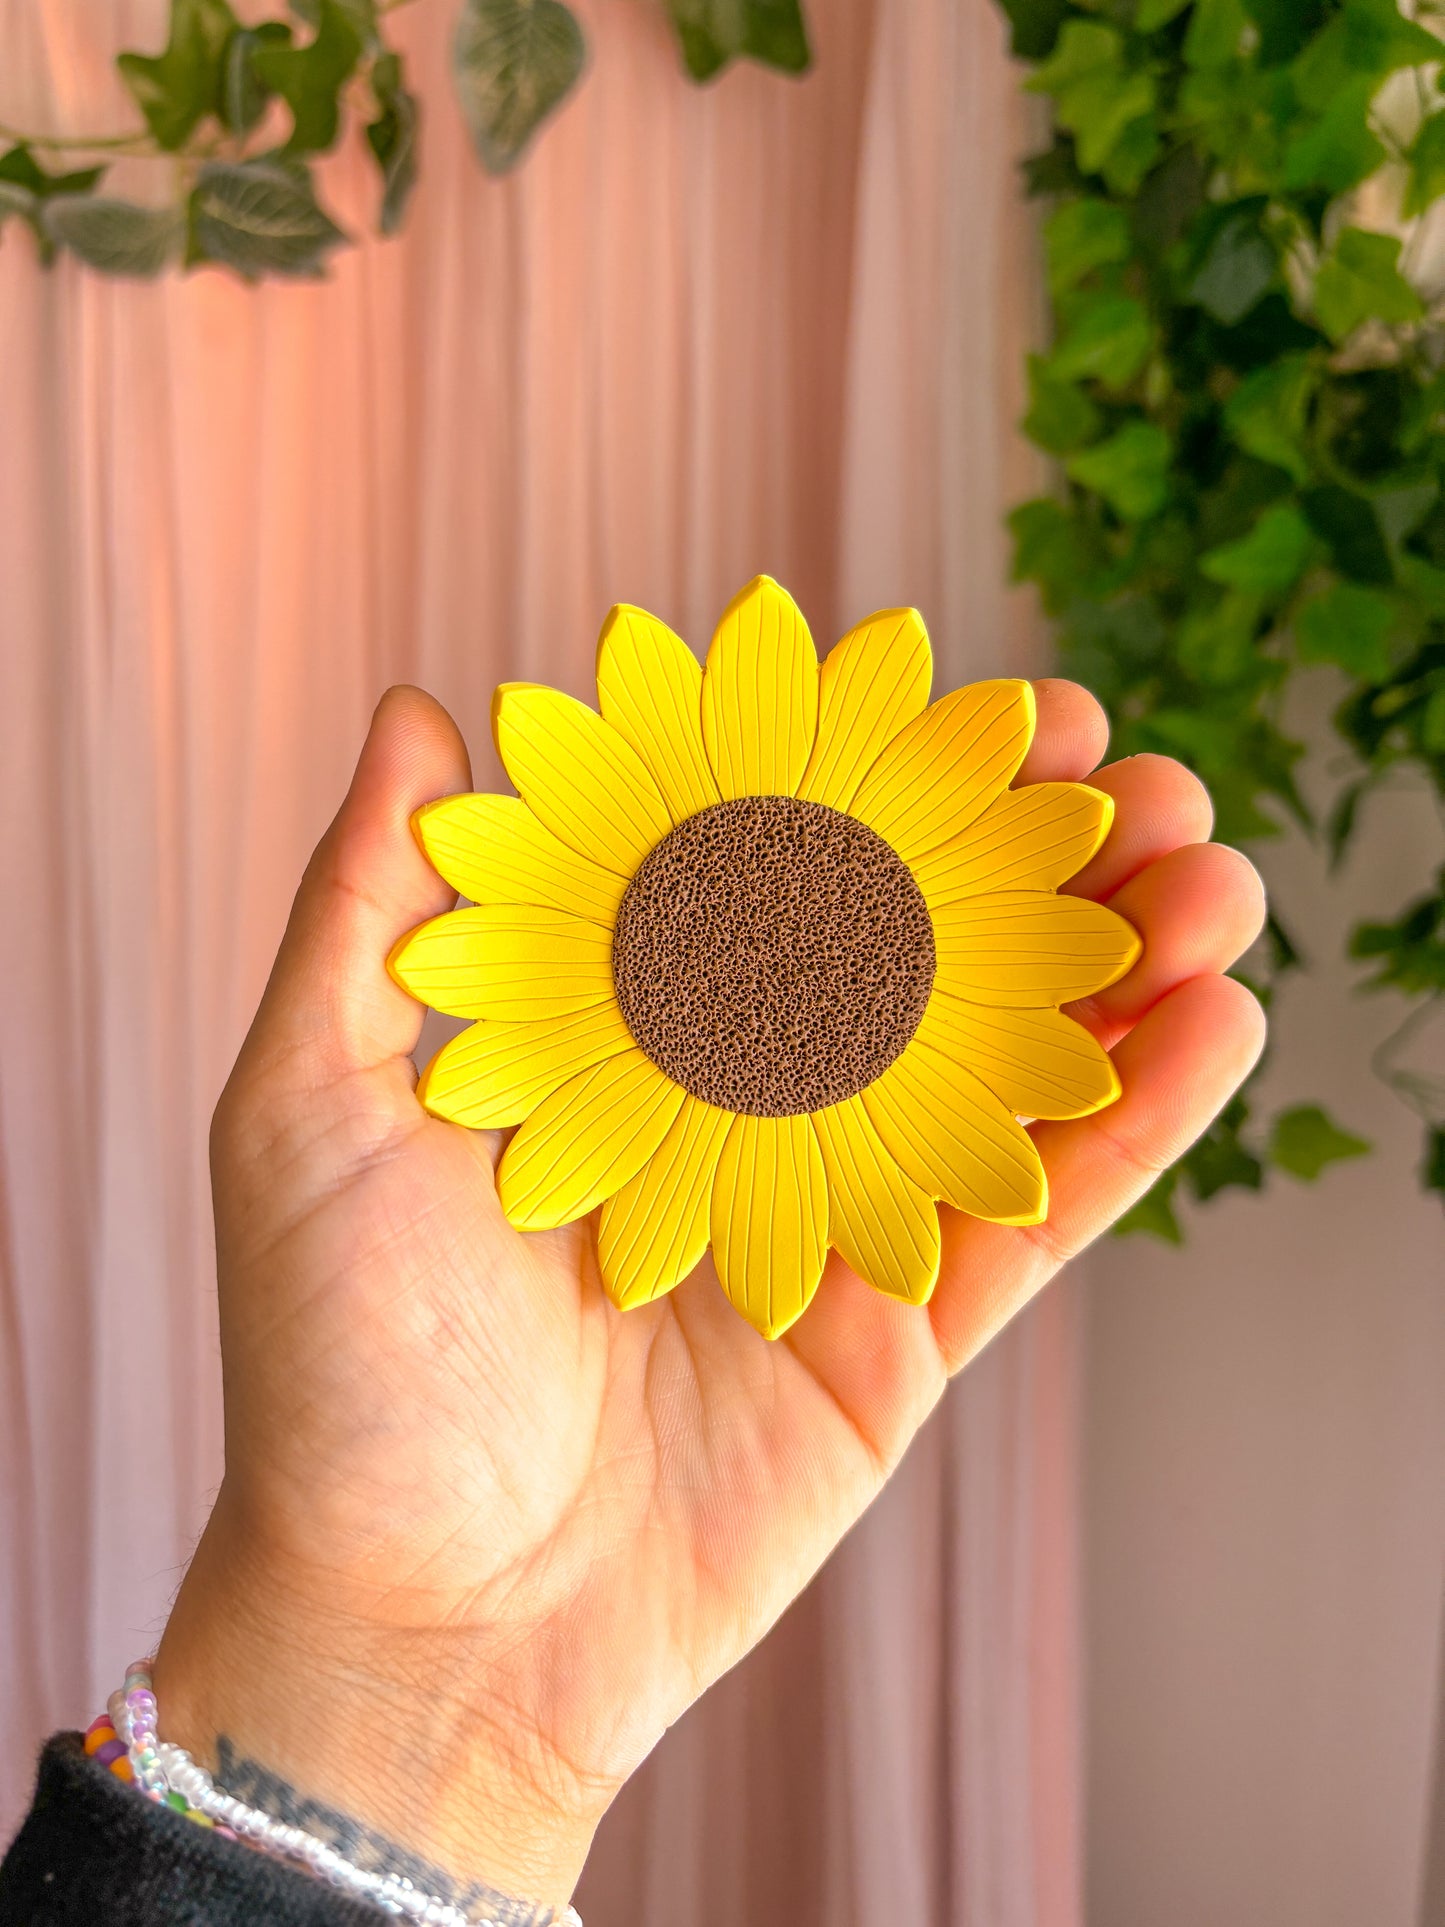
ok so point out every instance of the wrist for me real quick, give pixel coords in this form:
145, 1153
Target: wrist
365, 1738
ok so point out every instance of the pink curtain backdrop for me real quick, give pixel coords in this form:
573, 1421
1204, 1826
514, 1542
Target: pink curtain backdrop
765, 325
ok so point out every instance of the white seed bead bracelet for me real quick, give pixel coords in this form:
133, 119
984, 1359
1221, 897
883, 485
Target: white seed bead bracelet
161, 1770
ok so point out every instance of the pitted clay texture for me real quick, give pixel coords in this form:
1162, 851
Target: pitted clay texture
773, 956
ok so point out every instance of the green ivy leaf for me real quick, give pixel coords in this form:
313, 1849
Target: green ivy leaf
1342, 819
1034, 26
1108, 339
1048, 548
1284, 952
360, 13
1061, 416
1268, 411
1216, 643
260, 217
243, 94
1425, 583
1153, 14
177, 89
514, 62
1359, 281
1350, 626
1402, 503
118, 237
1346, 521
1305, 1140
1338, 150
1267, 561
1220, 1160
1237, 269
1130, 470
1367, 40
1432, 723
1216, 28
1284, 26
1132, 156
20, 168
309, 79
1082, 235
1427, 166
25, 188
1432, 1171
1154, 1213
392, 139
713, 32
1095, 96
1410, 952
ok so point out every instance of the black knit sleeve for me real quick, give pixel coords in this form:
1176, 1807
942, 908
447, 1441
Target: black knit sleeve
92, 1849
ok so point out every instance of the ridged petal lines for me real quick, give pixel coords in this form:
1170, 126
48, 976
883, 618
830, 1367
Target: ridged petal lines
760, 694
947, 766
496, 1074
873, 683
649, 687
1022, 949
1039, 1063
884, 1225
956, 1140
505, 960
1034, 838
492, 849
585, 1141
656, 1228
580, 775
770, 1219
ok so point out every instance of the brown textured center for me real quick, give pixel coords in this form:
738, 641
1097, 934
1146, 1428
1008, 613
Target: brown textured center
772, 956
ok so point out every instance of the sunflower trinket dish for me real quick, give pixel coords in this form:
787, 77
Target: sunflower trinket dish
766, 956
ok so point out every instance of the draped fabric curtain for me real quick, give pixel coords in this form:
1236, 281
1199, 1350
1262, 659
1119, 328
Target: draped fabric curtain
766, 325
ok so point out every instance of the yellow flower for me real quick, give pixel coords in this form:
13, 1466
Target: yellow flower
766, 956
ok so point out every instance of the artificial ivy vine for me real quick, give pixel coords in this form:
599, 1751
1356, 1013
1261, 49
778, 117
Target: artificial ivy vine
1246, 397
240, 111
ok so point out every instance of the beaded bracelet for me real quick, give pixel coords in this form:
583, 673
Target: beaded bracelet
124, 1739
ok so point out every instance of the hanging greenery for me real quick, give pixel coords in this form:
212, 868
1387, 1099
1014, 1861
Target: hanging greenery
1245, 396
241, 111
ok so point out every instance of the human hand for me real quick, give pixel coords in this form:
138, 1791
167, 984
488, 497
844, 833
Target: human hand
482, 1537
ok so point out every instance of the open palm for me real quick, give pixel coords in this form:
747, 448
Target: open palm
463, 1491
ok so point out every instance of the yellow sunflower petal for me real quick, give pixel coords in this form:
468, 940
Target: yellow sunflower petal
1034, 838
1038, 1062
955, 1139
580, 775
947, 766
586, 1140
874, 683
655, 1229
493, 850
1026, 948
505, 960
884, 1224
770, 1219
760, 694
497, 1074
649, 687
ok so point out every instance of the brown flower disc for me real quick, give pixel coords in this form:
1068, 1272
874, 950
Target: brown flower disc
772, 956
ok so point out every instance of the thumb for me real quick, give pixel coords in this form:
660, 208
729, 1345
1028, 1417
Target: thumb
330, 1007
